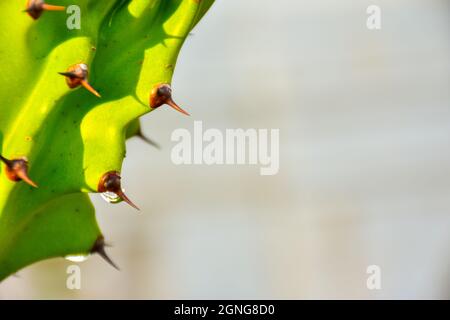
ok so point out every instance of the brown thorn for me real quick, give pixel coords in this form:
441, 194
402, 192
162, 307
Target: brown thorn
77, 75
50, 7
5, 161
23, 174
88, 87
124, 197
99, 248
35, 8
69, 74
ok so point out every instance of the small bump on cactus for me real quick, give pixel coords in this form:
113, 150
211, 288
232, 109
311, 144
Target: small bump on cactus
134, 130
162, 94
110, 182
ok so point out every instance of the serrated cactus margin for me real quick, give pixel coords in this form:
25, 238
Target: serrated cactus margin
59, 141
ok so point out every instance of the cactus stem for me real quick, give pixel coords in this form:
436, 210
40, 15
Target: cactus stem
5, 161
68, 74
17, 170
35, 8
124, 197
76, 76
171, 103
162, 94
99, 248
110, 182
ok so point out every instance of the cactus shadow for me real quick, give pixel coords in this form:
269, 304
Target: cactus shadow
117, 65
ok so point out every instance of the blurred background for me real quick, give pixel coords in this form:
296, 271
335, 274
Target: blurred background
364, 119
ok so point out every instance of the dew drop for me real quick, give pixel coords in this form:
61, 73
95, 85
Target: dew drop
111, 197
77, 258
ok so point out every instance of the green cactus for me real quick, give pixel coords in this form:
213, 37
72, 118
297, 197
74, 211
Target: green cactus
70, 137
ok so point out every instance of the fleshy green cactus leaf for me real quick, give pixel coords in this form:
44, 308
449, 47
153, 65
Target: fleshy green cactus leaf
73, 140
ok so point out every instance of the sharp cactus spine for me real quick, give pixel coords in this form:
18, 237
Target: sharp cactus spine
99, 248
162, 94
77, 75
17, 170
72, 138
110, 182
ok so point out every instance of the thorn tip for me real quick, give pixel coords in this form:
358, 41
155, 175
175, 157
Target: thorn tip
162, 94
110, 182
146, 139
99, 248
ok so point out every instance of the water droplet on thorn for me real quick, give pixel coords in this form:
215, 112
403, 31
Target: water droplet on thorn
110, 182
